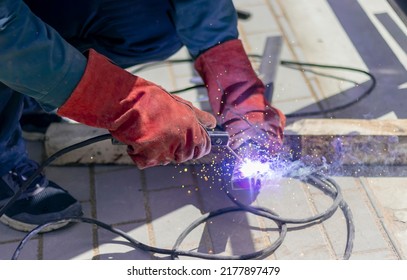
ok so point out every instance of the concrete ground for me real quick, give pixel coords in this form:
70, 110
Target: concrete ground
155, 205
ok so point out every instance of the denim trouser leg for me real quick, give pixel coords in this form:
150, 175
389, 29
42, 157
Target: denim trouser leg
31, 106
12, 145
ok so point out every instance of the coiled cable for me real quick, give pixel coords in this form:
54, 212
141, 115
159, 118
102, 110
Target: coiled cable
317, 180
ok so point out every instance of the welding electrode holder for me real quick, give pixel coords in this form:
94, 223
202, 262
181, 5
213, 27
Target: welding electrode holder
218, 138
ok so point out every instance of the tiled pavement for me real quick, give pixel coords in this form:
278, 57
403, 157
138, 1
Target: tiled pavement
155, 205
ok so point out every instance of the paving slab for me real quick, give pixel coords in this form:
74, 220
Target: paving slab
73, 242
171, 211
389, 199
30, 252
118, 195
113, 247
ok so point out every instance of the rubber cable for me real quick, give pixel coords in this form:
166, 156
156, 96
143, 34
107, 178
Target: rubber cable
287, 63
317, 180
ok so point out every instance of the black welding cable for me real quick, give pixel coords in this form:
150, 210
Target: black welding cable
327, 185
301, 65
290, 64
255, 255
174, 253
367, 92
313, 179
350, 226
136, 243
317, 180
335, 190
47, 162
323, 183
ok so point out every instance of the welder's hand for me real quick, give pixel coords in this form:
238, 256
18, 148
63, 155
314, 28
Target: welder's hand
255, 134
236, 96
158, 127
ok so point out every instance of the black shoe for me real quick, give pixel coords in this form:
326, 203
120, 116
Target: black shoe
42, 202
35, 125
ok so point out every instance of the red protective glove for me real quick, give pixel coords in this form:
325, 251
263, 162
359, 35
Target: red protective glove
158, 127
236, 96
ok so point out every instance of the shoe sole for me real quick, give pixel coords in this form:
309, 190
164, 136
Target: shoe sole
20, 226
26, 227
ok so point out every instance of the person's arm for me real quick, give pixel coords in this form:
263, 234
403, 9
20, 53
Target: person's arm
202, 24
157, 127
35, 60
236, 94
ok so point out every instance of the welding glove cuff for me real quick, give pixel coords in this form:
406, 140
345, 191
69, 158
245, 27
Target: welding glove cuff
236, 96
158, 127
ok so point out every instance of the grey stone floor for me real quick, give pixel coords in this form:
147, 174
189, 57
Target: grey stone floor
155, 205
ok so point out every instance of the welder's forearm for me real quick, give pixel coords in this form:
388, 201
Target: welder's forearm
202, 24
35, 60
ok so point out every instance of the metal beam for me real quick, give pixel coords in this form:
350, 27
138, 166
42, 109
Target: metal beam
269, 63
